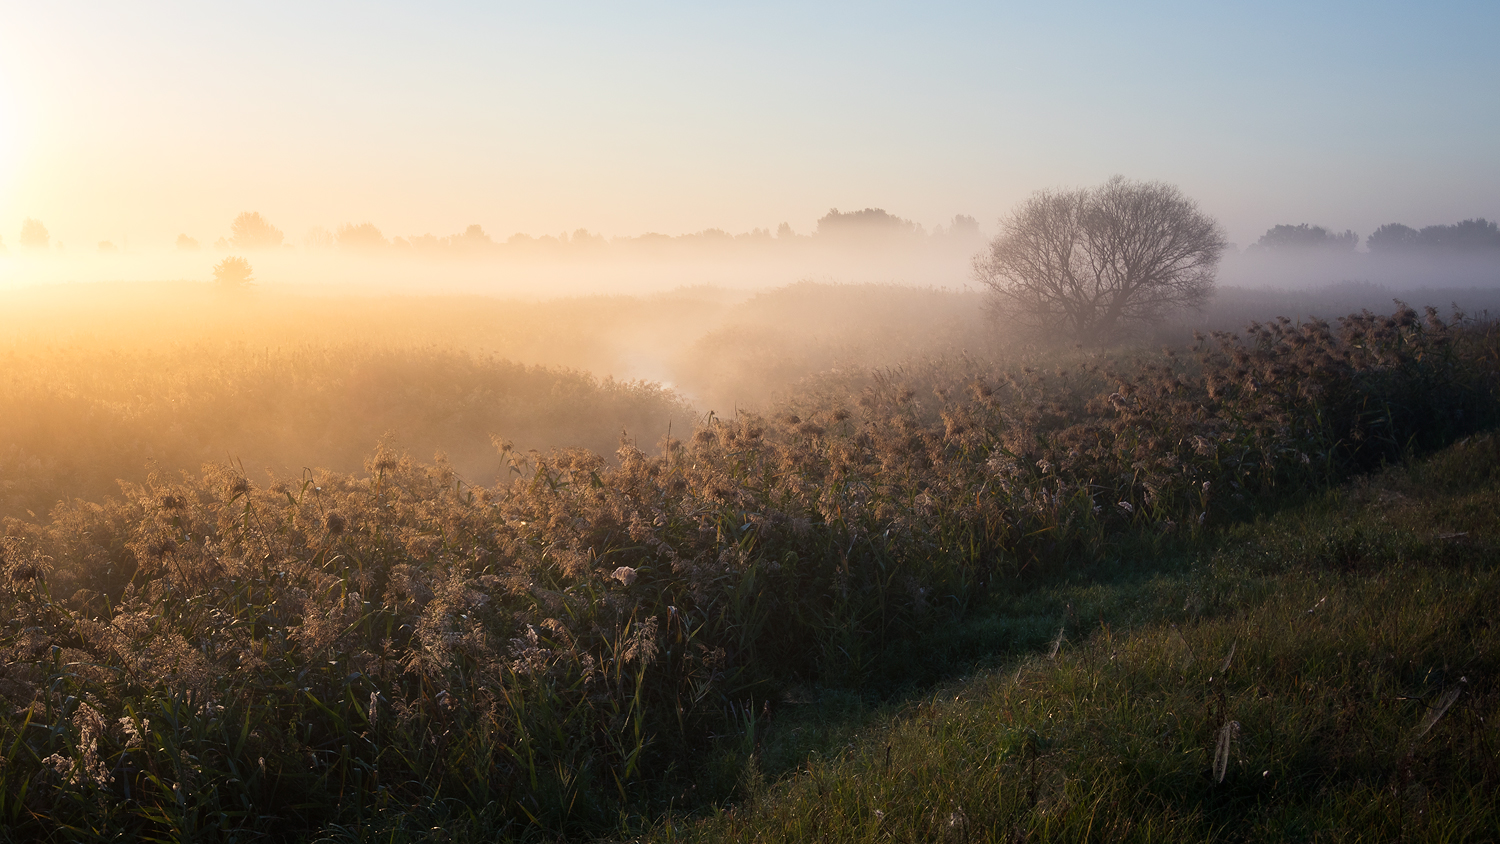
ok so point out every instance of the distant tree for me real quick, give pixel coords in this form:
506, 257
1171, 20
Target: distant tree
251, 231
472, 239
784, 232
34, 235
963, 226
1306, 237
362, 236
586, 238
475, 234
233, 272
705, 236
1094, 263
1467, 235
1393, 237
871, 221
106, 246
186, 244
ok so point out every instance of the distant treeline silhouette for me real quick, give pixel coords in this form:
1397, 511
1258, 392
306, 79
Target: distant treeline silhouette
1470, 236
252, 231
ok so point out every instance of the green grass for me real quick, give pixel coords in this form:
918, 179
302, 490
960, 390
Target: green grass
1343, 653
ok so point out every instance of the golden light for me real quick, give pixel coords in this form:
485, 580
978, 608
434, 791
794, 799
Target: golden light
10, 143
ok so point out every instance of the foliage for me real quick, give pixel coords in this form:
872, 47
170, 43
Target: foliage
252, 231
233, 272
596, 642
361, 236
34, 235
1303, 236
1472, 235
1097, 262
868, 224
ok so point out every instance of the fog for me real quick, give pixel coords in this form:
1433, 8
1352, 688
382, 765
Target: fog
126, 360
1311, 270
870, 245
116, 380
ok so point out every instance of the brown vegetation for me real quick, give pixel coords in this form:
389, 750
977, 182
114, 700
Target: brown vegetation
567, 645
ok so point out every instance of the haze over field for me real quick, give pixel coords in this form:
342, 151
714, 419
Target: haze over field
126, 129
597, 422
710, 207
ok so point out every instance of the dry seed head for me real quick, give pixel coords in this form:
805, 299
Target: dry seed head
1438, 710
23, 573
1227, 734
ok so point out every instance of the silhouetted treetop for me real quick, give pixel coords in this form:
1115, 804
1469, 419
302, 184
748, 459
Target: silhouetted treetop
233, 272
474, 237
1393, 237
870, 221
962, 226
1303, 236
1467, 236
251, 231
361, 236
34, 235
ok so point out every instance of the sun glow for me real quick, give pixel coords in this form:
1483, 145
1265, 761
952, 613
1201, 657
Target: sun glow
10, 141
7, 146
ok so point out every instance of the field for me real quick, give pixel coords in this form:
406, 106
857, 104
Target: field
241, 600
1326, 674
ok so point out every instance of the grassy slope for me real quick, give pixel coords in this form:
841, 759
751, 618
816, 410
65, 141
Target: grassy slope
1342, 653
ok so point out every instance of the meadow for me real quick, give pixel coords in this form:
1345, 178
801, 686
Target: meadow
579, 633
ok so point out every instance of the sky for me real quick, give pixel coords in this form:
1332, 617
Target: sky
136, 122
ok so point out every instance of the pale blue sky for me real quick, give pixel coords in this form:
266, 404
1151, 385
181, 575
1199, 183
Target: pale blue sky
142, 120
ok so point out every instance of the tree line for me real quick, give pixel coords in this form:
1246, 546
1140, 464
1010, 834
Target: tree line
1474, 235
252, 231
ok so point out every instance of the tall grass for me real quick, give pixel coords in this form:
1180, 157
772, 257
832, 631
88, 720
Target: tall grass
1283, 687
596, 641
74, 420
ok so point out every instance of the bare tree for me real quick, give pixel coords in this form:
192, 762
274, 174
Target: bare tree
1094, 263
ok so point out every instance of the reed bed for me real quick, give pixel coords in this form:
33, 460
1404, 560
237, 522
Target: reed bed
1324, 675
76, 419
594, 642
